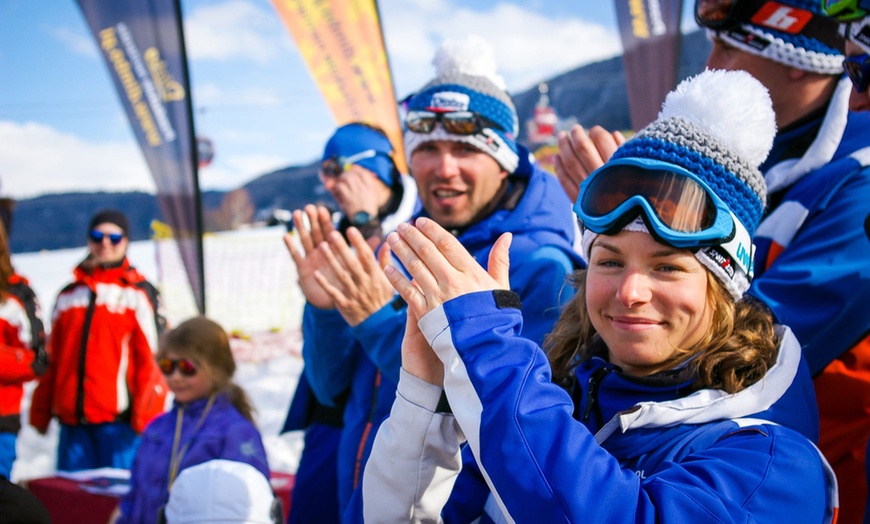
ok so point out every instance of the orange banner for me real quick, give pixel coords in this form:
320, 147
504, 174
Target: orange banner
342, 44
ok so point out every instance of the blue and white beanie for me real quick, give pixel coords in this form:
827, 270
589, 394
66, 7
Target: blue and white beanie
768, 35
354, 138
466, 80
720, 126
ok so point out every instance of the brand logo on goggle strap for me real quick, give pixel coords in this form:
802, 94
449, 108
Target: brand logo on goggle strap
782, 18
449, 101
720, 260
744, 255
492, 139
748, 39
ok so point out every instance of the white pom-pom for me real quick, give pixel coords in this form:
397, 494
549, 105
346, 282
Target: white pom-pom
471, 55
732, 106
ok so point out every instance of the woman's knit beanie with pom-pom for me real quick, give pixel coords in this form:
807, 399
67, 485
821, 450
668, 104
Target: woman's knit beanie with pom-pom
719, 125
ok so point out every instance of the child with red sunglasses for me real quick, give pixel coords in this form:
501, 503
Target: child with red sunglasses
211, 418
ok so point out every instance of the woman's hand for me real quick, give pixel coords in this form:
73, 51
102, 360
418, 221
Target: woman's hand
418, 358
441, 267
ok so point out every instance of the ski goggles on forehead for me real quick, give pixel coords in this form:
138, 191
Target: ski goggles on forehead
678, 208
721, 14
454, 122
724, 15
335, 166
858, 69
846, 10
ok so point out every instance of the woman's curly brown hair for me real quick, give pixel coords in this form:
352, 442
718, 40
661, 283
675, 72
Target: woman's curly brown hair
737, 351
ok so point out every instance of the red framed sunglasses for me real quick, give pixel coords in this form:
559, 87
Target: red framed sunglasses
185, 366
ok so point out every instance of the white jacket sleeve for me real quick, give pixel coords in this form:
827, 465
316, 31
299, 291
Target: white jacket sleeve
415, 458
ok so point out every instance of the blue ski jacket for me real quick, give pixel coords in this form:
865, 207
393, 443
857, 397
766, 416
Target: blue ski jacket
623, 449
811, 261
541, 255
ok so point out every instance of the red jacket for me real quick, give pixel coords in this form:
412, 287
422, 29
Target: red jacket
22, 348
101, 352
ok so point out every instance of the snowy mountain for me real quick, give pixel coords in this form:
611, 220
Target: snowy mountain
592, 94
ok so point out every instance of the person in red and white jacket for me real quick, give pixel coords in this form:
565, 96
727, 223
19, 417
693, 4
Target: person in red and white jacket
102, 381
22, 347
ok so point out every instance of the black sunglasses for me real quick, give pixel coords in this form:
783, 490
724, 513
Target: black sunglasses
185, 366
97, 237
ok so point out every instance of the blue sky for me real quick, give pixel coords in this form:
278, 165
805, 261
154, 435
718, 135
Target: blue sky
62, 127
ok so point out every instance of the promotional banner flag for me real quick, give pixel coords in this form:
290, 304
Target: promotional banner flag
343, 47
650, 33
143, 45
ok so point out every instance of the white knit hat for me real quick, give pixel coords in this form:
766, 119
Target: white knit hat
220, 491
466, 80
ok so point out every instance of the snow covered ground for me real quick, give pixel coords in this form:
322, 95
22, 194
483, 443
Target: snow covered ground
270, 382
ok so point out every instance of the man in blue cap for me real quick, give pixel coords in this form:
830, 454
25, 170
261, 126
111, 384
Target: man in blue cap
472, 178
358, 170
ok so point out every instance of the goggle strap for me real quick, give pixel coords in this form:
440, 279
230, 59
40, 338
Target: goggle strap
740, 249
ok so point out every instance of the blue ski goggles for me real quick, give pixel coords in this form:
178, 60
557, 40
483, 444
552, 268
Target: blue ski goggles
678, 208
858, 69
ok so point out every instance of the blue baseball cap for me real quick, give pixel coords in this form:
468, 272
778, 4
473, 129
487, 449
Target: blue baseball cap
355, 139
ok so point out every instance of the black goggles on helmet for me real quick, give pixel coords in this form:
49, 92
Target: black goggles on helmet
724, 15
454, 122
678, 208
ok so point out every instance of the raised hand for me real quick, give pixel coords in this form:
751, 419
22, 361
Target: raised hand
355, 190
581, 153
358, 287
441, 268
310, 259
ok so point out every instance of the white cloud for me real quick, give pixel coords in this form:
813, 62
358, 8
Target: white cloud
78, 43
37, 159
256, 164
234, 30
210, 94
236, 170
529, 45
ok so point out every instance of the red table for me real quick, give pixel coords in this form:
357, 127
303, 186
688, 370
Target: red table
68, 503
282, 485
